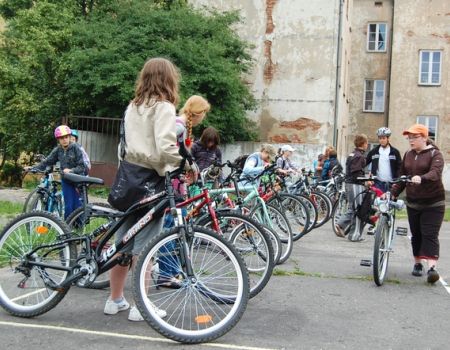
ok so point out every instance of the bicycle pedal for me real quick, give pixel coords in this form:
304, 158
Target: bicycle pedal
366, 262
401, 231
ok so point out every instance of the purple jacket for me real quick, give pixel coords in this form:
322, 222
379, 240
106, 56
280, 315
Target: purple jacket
205, 157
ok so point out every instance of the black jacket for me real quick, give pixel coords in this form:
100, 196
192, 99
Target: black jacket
394, 157
354, 166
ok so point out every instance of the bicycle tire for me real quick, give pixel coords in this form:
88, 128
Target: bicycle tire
75, 219
282, 228
323, 206
40, 203
381, 251
340, 208
312, 211
296, 212
25, 232
187, 321
26, 206
254, 239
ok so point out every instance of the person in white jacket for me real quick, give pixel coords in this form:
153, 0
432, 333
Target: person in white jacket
150, 124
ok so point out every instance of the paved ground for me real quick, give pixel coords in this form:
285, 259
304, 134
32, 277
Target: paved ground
330, 302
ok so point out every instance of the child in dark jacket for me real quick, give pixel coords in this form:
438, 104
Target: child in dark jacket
206, 151
356, 161
70, 157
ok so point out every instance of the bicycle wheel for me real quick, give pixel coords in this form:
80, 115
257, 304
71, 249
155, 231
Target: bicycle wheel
207, 305
280, 224
42, 202
30, 199
340, 208
81, 226
24, 289
252, 242
312, 211
323, 206
381, 250
295, 211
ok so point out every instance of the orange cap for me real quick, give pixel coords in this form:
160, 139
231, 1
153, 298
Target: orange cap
417, 129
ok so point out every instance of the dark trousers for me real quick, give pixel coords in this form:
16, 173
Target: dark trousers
383, 186
425, 225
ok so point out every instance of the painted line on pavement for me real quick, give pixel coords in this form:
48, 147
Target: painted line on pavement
126, 336
28, 294
445, 285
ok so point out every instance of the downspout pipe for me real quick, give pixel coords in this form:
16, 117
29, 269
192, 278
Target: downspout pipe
391, 45
338, 73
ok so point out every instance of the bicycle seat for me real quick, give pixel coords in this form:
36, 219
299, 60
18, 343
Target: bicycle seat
82, 180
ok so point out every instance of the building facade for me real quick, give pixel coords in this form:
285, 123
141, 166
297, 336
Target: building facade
296, 54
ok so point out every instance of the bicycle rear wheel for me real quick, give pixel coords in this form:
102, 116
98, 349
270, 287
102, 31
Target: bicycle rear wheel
339, 209
24, 288
207, 305
381, 250
81, 226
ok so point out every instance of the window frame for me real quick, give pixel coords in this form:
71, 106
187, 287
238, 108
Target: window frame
427, 124
373, 94
377, 31
430, 68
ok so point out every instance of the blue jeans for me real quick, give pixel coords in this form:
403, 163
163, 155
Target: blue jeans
168, 261
383, 186
72, 198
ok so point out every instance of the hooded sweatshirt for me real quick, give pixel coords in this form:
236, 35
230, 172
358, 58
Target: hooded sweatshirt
428, 164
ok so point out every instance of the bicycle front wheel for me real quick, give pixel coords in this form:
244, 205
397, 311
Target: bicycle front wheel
24, 287
381, 251
206, 305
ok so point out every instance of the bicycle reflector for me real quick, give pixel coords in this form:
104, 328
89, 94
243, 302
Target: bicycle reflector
203, 319
41, 230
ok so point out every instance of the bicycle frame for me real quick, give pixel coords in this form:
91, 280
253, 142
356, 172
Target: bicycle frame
105, 260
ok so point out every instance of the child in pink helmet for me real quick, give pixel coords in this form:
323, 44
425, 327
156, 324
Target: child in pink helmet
70, 157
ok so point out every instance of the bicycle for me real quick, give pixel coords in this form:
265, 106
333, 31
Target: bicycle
385, 233
43, 264
47, 195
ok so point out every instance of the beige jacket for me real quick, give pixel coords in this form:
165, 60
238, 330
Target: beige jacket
150, 136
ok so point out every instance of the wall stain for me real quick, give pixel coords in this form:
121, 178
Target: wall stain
269, 66
301, 124
445, 36
270, 4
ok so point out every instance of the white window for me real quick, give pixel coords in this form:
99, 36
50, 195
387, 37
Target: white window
430, 67
374, 96
376, 37
431, 122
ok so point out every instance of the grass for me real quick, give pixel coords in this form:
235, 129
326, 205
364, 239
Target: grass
99, 191
9, 208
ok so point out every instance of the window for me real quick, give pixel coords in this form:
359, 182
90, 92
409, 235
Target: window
376, 37
374, 96
430, 67
431, 122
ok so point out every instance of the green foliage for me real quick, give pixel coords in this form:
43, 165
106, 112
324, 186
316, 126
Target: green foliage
68, 57
11, 174
10, 208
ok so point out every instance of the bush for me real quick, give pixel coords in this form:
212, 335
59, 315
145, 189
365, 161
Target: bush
11, 175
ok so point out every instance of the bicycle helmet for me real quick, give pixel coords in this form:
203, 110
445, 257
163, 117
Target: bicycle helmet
75, 133
383, 131
62, 130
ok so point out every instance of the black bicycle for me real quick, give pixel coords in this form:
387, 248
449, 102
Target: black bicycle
39, 263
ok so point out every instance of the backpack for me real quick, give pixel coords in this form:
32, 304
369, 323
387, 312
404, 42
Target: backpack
240, 161
364, 210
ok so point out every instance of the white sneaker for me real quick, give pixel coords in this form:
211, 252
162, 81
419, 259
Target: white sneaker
136, 316
112, 308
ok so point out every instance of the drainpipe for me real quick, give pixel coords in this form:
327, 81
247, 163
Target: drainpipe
388, 99
338, 72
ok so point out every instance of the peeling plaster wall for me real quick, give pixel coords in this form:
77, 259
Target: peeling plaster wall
418, 25
295, 65
367, 65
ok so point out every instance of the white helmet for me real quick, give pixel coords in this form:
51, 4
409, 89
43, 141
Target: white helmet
383, 131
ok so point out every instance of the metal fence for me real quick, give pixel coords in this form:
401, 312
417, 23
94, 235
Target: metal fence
99, 137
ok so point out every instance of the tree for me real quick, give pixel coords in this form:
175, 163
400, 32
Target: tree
83, 59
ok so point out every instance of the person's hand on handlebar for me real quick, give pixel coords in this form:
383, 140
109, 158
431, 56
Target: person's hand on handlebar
417, 180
